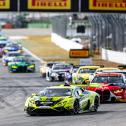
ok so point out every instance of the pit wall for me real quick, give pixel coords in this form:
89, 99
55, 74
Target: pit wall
114, 56
64, 43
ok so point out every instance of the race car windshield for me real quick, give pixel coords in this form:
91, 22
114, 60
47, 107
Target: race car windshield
14, 54
87, 70
2, 45
56, 92
108, 70
108, 79
59, 67
20, 60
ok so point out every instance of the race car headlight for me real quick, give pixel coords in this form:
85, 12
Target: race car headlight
19, 51
118, 91
5, 51
31, 66
14, 67
62, 103
32, 101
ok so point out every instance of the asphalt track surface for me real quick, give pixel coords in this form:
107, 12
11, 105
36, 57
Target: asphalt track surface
14, 89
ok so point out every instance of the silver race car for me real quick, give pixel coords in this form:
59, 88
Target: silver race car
57, 72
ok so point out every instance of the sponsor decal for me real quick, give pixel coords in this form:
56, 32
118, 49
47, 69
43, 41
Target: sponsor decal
49, 4
79, 53
4, 4
107, 5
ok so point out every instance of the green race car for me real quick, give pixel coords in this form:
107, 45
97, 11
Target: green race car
21, 64
62, 99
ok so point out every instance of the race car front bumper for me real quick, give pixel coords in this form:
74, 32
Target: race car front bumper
22, 69
48, 110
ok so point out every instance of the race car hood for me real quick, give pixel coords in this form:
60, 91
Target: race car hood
49, 99
94, 86
8, 58
11, 48
52, 98
60, 71
53, 102
86, 75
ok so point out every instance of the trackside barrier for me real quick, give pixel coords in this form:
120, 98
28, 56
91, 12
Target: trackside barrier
114, 56
65, 43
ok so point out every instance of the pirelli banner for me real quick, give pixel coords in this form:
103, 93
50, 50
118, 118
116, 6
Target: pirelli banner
8, 5
79, 53
63, 5
50, 5
103, 5
114, 5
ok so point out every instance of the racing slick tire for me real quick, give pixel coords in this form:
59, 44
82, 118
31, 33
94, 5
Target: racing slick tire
10, 71
33, 71
76, 107
87, 108
50, 79
30, 112
113, 99
96, 104
61, 79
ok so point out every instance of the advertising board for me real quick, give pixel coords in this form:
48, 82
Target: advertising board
8, 5
79, 53
49, 5
114, 5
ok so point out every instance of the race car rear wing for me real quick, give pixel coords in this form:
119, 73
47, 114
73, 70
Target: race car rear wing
101, 66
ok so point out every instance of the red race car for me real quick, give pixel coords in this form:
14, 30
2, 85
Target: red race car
110, 86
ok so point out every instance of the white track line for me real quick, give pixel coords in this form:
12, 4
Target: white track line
32, 54
19, 38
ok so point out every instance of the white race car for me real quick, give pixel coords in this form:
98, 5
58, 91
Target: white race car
9, 57
57, 72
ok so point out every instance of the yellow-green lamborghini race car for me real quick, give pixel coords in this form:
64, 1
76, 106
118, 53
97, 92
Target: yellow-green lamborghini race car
62, 99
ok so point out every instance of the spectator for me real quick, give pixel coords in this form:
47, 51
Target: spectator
68, 76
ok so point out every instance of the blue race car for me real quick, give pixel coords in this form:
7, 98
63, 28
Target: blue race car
12, 47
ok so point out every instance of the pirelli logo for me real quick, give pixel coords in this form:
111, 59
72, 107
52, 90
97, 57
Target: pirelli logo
4, 4
107, 5
79, 53
49, 4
